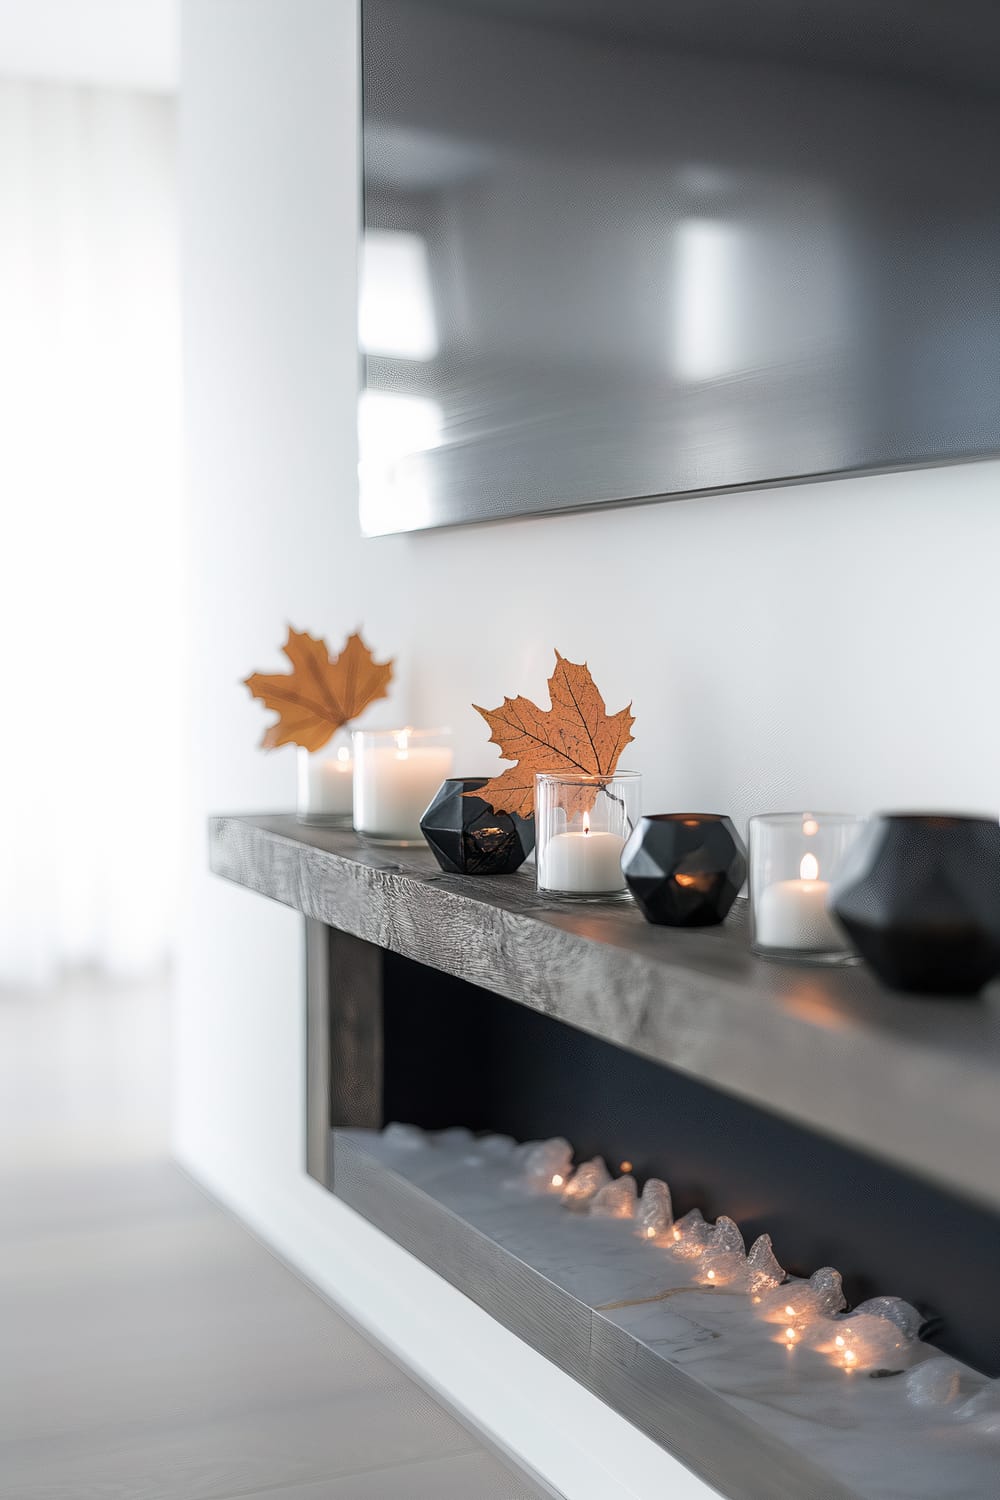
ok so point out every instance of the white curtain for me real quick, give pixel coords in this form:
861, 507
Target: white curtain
90, 546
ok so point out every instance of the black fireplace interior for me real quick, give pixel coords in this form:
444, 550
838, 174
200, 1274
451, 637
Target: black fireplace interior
455, 1054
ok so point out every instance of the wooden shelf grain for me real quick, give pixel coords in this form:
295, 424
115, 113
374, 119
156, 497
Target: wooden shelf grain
912, 1082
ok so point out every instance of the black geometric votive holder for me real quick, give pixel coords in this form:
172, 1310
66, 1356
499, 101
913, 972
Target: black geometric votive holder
467, 838
920, 898
685, 869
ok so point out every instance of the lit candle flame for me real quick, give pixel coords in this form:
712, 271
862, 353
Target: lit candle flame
557, 1180
809, 868
650, 1234
586, 822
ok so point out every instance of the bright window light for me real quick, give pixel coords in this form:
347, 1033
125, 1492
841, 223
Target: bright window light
396, 310
706, 335
393, 432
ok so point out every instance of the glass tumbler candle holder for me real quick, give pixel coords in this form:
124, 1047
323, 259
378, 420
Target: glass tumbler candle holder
396, 773
582, 824
325, 783
794, 857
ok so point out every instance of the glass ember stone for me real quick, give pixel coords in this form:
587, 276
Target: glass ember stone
934, 1382
467, 838
803, 1302
724, 1260
763, 1271
688, 1235
586, 1182
684, 869
656, 1213
548, 1164
616, 1200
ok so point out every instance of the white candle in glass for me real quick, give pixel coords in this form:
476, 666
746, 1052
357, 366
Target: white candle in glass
793, 914
394, 784
326, 783
583, 863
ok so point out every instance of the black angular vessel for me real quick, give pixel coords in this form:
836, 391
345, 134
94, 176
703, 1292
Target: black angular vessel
921, 901
685, 869
467, 838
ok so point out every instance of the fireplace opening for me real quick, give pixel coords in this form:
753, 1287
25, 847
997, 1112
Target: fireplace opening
455, 1054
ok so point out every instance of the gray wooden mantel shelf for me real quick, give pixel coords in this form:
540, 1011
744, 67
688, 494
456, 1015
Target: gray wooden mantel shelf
914, 1082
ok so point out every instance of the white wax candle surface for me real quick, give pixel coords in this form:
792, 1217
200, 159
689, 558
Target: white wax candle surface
581, 864
793, 914
326, 783
393, 786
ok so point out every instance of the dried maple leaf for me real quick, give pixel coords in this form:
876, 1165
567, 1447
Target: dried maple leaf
321, 693
576, 735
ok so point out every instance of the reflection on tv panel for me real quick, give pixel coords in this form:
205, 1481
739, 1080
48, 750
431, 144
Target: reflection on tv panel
619, 252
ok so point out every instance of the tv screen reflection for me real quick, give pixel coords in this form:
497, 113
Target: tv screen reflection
609, 259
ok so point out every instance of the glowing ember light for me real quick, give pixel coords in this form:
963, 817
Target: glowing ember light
839, 1341
677, 1234
850, 1357
791, 1335
626, 1166
711, 1275
789, 1311
650, 1234
557, 1181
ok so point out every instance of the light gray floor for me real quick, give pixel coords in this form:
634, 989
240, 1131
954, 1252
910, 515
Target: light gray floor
149, 1347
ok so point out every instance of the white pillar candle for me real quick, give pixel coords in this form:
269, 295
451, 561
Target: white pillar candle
793, 914
584, 863
326, 783
394, 784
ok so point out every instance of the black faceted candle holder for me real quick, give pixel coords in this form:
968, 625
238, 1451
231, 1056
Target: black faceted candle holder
920, 898
685, 869
467, 838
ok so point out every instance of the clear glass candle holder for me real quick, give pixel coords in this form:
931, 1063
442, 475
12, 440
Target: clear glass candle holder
582, 824
794, 858
396, 774
325, 783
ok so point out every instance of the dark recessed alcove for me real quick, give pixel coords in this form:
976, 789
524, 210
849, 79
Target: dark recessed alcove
457, 1054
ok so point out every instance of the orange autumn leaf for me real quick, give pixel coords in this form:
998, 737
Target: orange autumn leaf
321, 693
576, 735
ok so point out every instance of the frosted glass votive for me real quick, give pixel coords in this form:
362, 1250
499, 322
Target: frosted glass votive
396, 774
582, 824
325, 783
794, 857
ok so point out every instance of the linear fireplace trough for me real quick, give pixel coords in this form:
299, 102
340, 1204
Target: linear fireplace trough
858, 1128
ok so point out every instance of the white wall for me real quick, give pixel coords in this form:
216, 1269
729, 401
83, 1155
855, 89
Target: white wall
825, 645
